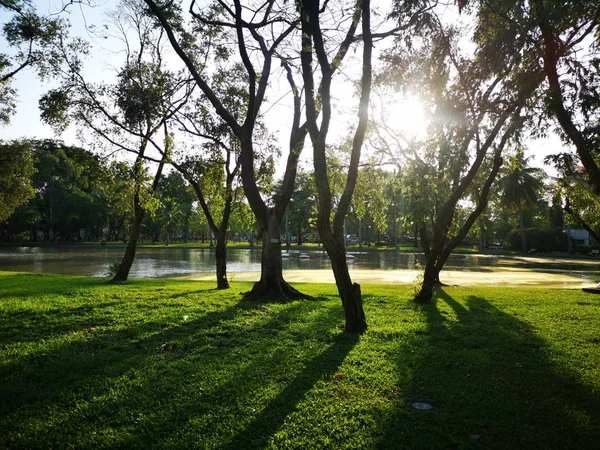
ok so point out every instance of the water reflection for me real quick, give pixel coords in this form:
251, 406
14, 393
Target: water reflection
169, 261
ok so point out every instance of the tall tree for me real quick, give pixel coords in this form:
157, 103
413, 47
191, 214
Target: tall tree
213, 167
562, 39
318, 100
132, 114
475, 113
520, 186
259, 32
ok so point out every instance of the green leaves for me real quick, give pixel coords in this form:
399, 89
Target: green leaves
16, 169
54, 108
31, 39
141, 92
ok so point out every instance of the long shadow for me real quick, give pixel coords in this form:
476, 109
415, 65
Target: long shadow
81, 303
71, 364
257, 433
493, 382
266, 365
157, 378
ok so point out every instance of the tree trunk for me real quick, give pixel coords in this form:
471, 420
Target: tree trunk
395, 230
129, 255
415, 235
522, 231
481, 243
271, 284
431, 279
359, 233
221, 254
350, 293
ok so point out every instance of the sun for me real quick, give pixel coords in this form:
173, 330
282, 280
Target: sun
404, 115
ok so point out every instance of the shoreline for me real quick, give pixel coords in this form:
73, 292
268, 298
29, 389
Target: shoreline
507, 277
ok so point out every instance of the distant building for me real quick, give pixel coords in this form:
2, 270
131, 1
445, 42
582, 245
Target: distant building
579, 236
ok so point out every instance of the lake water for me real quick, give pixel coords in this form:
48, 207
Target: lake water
173, 261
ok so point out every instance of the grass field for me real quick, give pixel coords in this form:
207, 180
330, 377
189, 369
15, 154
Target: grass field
176, 364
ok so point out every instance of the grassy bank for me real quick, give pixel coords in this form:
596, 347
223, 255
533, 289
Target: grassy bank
311, 246
176, 364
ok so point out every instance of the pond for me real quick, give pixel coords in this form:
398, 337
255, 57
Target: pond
176, 261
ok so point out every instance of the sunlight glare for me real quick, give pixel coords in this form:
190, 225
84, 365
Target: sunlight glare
406, 115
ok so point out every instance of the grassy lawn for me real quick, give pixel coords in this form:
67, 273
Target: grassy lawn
176, 364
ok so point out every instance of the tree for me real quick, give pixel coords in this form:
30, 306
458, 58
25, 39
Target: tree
129, 115
70, 186
475, 112
369, 198
213, 169
30, 39
580, 202
318, 101
520, 186
301, 208
257, 33
67, 184
560, 38
16, 170
176, 205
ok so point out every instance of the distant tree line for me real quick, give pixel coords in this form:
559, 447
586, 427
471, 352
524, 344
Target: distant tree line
69, 194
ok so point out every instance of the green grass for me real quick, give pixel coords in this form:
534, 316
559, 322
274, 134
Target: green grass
174, 364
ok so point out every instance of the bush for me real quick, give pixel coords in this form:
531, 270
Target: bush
583, 249
113, 269
541, 238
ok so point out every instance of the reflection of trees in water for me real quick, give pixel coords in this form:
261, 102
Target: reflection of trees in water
161, 261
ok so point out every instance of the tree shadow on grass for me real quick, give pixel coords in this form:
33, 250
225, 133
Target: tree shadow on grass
240, 394
325, 364
96, 353
230, 374
494, 381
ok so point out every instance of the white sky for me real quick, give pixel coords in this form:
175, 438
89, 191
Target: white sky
26, 122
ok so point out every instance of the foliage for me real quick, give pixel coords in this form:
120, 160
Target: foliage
113, 269
520, 185
31, 44
472, 112
540, 238
559, 40
173, 364
16, 170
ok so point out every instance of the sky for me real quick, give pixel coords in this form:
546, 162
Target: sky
26, 122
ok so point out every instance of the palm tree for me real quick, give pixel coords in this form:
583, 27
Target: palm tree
520, 187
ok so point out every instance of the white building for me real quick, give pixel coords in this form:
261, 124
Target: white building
579, 236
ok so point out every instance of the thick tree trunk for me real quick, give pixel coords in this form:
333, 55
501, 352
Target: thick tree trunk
129, 255
221, 254
271, 284
431, 280
350, 293
551, 58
